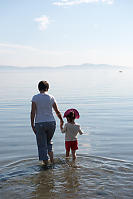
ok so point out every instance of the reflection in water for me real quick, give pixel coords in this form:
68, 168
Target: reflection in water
64, 179
43, 183
71, 180
89, 177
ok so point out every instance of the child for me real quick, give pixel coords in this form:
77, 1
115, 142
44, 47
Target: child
71, 129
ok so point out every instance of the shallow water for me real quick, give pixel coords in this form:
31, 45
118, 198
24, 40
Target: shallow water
104, 166
88, 177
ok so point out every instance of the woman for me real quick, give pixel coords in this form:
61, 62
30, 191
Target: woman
43, 122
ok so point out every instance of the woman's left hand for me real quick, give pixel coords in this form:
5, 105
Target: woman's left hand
34, 130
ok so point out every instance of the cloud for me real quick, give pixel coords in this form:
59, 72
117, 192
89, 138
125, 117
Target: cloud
7, 47
43, 22
16, 46
108, 1
77, 2
72, 2
24, 55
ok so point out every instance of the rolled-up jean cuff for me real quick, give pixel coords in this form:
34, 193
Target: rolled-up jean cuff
50, 147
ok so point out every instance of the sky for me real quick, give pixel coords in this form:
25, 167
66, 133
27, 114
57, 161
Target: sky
66, 32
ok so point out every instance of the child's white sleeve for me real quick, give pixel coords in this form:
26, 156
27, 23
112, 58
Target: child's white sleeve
64, 129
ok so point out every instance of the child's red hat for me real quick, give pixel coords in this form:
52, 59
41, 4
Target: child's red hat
72, 110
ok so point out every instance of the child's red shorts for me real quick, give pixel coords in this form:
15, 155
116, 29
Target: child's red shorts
73, 145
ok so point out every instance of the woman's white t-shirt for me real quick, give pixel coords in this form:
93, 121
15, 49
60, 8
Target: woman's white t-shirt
44, 103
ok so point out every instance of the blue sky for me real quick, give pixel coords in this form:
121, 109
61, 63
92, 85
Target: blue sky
61, 32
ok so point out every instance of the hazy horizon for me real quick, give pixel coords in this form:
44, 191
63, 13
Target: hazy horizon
84, 65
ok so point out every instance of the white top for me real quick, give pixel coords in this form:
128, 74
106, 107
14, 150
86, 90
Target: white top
71, 131
44, 103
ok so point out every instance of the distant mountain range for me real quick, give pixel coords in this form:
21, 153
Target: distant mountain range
82, 66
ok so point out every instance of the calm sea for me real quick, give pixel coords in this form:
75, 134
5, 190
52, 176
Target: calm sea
104, 165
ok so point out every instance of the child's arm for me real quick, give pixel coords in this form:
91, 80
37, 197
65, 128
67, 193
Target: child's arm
80, 131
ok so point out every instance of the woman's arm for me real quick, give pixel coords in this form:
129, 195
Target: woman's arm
58, 114
32, 116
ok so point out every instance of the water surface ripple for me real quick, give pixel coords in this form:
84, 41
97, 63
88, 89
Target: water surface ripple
89, 177
104, 167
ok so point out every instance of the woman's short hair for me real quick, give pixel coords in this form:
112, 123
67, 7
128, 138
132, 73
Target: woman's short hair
43, 86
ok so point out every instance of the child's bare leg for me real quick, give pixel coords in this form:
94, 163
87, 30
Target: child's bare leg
73, 154
67, 154
50, 153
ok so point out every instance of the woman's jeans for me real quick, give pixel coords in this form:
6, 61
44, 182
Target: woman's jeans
44, 134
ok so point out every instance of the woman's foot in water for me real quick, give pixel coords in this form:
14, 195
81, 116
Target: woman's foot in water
45, 163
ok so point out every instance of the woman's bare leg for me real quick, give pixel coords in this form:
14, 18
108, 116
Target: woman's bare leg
50, 153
